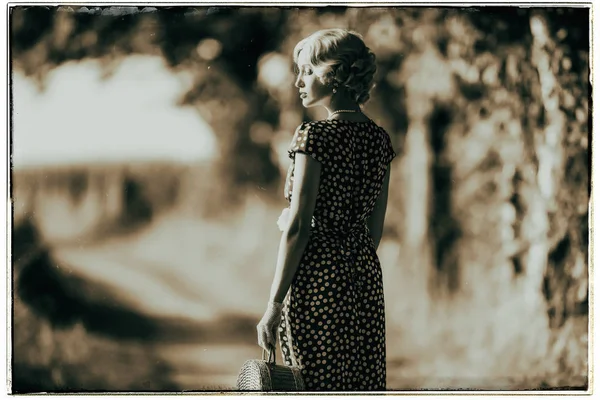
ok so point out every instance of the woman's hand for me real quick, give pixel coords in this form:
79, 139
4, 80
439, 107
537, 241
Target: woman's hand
267, 327
284, 219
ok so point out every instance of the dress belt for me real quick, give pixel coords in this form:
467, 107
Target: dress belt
350, 241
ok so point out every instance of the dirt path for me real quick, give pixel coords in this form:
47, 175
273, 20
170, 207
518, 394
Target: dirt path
159, 311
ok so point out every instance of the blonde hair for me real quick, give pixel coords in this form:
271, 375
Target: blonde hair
339, 57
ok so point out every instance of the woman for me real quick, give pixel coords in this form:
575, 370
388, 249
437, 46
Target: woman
331, 324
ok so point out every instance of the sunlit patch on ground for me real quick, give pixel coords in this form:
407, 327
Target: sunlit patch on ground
141, 283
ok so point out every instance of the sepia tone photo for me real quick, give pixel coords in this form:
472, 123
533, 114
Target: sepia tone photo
292, 199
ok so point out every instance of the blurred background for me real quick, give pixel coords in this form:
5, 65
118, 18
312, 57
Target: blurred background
148, 159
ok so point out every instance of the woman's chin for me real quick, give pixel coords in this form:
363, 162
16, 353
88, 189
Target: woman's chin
308, 103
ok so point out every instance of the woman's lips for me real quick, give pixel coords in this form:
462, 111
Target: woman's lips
303, 95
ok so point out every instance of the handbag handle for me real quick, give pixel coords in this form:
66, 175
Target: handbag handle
270, 355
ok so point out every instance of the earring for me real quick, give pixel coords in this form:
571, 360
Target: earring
335, 85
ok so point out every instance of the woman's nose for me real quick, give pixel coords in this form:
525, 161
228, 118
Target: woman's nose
299, 83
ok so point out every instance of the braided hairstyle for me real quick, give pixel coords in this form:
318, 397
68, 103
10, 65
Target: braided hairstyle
340, 58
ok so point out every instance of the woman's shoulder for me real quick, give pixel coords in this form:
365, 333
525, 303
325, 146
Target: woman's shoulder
330, 124
336, 127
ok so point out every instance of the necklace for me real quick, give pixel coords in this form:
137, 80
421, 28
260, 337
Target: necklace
341, 111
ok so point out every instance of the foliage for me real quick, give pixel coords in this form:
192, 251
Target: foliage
488, 111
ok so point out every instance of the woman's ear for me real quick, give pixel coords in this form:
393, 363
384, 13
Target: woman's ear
329, 78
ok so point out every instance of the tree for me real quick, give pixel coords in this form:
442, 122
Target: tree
488, 111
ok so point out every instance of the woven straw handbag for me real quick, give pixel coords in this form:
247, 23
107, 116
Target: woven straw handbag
265, 376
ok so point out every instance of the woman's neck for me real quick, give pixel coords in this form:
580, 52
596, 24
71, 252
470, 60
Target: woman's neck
341, 108
341, 102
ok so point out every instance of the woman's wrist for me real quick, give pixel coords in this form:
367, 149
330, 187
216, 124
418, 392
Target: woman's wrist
275, 304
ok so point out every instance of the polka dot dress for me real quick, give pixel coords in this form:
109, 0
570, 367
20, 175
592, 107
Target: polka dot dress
333, 324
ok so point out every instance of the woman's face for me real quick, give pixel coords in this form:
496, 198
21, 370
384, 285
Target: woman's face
312, 91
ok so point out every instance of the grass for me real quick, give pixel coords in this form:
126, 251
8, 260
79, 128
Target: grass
48, 359
199, 271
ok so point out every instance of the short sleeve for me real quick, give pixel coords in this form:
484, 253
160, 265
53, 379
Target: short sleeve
388, 149
309, 139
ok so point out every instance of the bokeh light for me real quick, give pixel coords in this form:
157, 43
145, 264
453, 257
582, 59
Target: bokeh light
149, 149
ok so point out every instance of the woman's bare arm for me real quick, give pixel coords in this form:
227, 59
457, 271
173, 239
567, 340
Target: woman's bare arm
307, 173
376, 220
